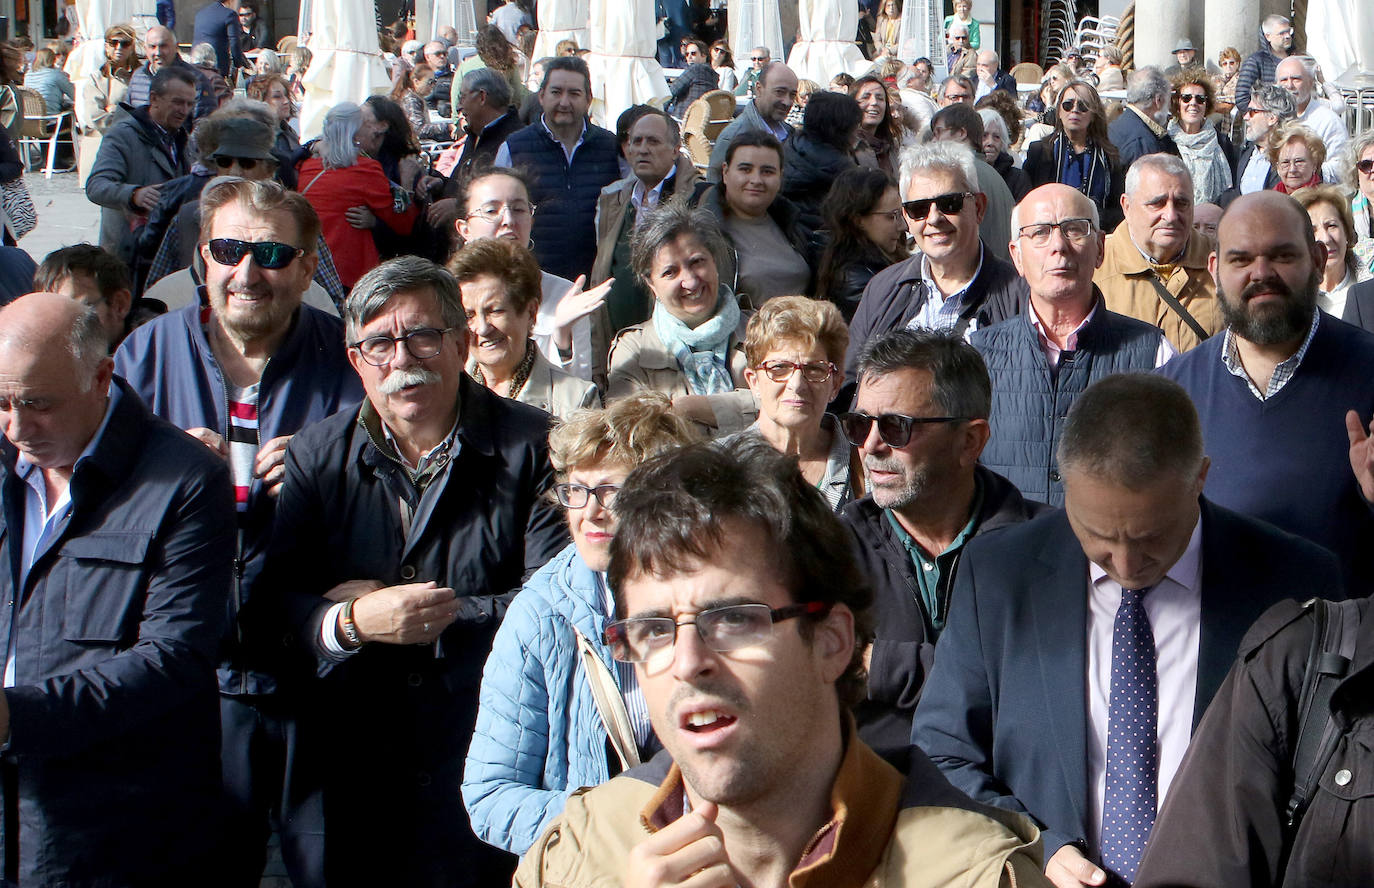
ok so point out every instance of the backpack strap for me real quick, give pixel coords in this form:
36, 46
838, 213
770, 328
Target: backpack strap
1335, 625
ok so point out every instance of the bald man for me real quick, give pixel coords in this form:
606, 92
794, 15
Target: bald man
160, 44
119, 542
1065, 340
1297, 75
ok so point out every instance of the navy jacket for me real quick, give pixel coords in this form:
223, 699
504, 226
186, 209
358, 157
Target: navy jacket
1133, 138
218, 25
1359, 306
484, 525
564, 232
1004, 711
114, 715
168, 361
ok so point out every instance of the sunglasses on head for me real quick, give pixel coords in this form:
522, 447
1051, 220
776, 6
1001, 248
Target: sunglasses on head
893, 428
1192, 98
1075, 105
948, 204
271, 255
1365, 166
224, 162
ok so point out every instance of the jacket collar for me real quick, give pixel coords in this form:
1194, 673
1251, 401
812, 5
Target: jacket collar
1131, 261
654, 355
864, 799
474, 425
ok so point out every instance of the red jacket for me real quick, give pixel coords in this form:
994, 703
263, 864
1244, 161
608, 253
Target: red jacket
333, 192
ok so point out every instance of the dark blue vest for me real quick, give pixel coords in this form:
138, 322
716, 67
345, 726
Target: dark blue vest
1030, 404
564, 232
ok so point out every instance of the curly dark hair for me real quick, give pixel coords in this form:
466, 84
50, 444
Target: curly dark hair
495, 50
1191, 77
400, 140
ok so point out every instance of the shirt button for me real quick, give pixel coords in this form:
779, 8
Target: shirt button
415, 679
407, 571
1342, 777
1054, 476
928, 566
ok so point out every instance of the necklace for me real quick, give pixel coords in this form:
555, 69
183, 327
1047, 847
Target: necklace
521, 375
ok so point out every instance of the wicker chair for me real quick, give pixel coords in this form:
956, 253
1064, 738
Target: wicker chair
702, 123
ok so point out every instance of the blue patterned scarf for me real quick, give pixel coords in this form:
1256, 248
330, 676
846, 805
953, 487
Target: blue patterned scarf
703, 352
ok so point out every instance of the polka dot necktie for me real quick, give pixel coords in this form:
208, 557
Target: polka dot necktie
1128, 809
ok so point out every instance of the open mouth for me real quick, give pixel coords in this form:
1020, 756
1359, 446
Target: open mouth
705, 721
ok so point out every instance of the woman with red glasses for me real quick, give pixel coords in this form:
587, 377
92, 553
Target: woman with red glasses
1208, 153
1079, 154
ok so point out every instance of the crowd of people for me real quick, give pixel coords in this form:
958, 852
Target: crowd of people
945, 483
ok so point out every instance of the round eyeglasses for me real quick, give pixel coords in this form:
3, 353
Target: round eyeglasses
722, 629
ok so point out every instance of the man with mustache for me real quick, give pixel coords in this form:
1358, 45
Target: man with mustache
1285, 395
920, 421
242, 375
1064, 340
1155, 267
403, 526
744, 614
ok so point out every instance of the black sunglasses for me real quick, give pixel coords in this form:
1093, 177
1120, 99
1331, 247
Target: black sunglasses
1075, 105
271, 255
1193, 98
894, 428
224, 162
1365, 166
122, 44
949, 204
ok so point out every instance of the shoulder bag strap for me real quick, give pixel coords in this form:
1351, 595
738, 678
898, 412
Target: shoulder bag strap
1172, 301
609, 704
313, 181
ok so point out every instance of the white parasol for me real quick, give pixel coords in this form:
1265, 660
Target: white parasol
755, 23
563, 20
346, 61
624, 69
827, 46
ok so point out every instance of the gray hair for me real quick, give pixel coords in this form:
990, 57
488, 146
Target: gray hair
666, 224
1353, 150
270, 62
406, 274
1132, 429
1168, 164
89, 345
203, 54
957, 27
489, 82
959, 377
337, 148
993, 121
955, 78
1276, 100
1146, 85
949, 157
1273, 23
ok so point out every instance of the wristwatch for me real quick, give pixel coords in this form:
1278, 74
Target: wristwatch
350, 628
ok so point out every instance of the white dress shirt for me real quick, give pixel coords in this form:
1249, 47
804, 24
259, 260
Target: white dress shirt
1174, 607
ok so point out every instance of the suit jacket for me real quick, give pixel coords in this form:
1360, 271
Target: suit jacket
1004, 710
1359, 306
218, 25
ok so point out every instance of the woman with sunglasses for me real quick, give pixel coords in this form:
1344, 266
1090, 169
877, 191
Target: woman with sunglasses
552, 697
692, 346
795, 347
1359, 179
863, 215
723, 63
98, 96
1208, 153
1079, 154
499, 283
339, 178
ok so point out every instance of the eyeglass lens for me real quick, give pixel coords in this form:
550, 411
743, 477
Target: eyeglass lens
271, 255
948, 204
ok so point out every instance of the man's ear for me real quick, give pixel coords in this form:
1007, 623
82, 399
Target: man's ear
833, 641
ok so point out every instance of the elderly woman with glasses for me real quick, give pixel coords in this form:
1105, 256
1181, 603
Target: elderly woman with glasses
795, 347
498, 280
1296, 153
348, 190
1078, 152
552, 696
692, 347
1207, 152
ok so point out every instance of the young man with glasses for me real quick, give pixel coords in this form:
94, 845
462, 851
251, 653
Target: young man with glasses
920, 421
955, 281
1064, 340
242, 375
745, 616
403, 527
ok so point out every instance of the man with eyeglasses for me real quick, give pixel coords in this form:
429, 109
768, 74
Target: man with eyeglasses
1083, 646
403, 527
242, 374
1064, 340
1155, 265
759, 57
745, 615
92, 276
1270, 107
773, 99
440, 98
954, 90
962, 60
1260, 66
1297, 75
954, 282
1140, 129
920, 421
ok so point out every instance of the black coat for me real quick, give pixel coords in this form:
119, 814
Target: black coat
1018, 183
1041, 167
904, 646
397, 719
695, 81
1133, 139
1359, 306
809, 168
115, 710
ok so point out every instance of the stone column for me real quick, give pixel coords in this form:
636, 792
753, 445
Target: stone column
1159, 26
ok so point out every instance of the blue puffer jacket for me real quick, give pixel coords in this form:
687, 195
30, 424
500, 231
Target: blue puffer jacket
539, 736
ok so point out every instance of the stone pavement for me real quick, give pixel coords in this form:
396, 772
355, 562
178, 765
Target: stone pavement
65, 217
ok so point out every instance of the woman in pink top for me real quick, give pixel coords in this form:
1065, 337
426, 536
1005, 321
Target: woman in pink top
349, 191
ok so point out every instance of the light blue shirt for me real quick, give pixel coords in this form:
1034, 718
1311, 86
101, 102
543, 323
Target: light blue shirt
503, 153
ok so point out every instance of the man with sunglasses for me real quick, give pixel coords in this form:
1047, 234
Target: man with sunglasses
403, 527
741, 607
954, 281
1140, 129
759, 57
1083, 646
1065, 340
1270, 107
920, 421
959, 124
242, 370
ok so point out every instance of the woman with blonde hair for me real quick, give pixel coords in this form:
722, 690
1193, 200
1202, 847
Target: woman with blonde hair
1333, 226
98, 96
